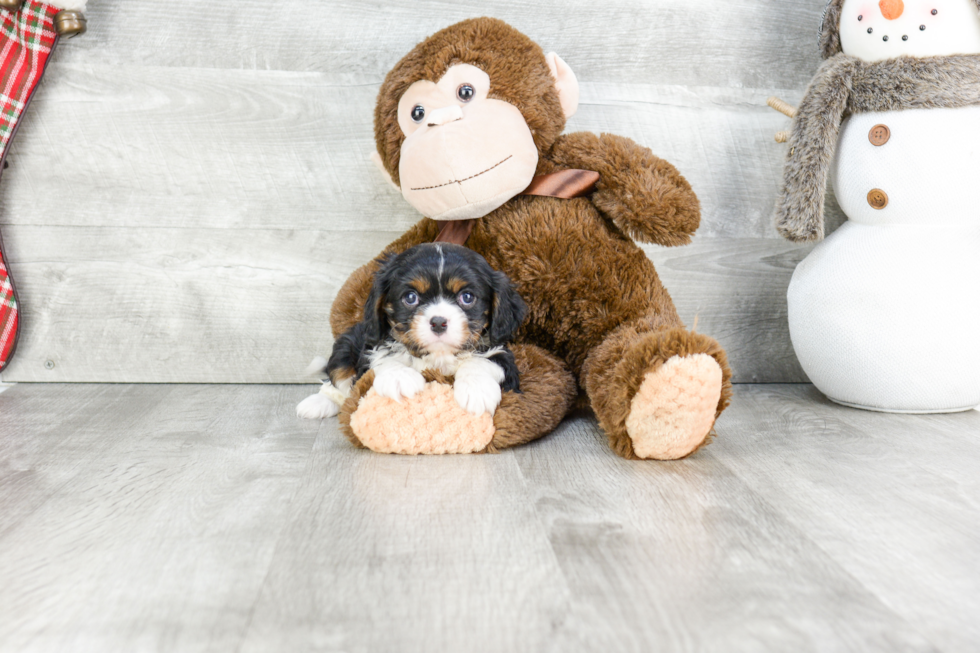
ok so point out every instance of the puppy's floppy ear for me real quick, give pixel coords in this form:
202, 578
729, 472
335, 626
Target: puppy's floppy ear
508, 310
376, 327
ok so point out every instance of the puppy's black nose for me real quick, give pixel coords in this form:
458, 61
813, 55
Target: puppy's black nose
439, 324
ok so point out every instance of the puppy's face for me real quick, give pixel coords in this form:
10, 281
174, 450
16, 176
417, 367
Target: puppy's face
443, 299
439, 301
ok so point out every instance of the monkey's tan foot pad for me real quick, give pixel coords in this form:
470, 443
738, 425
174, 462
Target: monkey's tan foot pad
673, 411
431, 422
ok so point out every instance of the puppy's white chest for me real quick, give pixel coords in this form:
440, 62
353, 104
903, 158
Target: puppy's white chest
445, 364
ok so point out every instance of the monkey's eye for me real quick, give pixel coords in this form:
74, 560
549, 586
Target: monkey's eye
467, 299
411, 299
418, 112
465, 92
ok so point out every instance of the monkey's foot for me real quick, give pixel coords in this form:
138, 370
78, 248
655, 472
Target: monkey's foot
674, 409
657, 394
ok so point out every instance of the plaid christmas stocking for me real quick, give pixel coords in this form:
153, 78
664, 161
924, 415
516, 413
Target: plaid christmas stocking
28, 33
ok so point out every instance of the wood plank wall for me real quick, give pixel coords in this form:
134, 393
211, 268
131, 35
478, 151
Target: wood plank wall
191, 185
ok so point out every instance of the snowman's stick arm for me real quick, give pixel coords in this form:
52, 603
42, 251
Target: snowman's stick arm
782, 107
786, 110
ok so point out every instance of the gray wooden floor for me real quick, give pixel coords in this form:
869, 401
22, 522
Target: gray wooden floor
191, 518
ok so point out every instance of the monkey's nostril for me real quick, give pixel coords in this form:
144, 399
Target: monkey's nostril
439, 324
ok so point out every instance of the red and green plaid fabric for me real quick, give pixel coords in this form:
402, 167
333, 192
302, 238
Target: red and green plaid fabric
27, 38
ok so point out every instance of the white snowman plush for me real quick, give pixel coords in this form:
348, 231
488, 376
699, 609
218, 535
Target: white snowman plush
885, 313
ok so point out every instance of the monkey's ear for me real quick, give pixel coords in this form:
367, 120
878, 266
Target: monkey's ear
565, 83
376, 159
509, 310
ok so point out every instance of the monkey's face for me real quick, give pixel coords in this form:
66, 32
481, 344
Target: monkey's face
874, 30
465, 153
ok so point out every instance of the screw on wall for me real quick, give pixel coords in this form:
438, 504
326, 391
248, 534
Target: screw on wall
49, 365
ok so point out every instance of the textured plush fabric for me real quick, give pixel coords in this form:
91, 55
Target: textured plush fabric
28, 37
845, 85
672, 410
415, 425
885, 317
573, 261
480, 42
432, 424
618, 368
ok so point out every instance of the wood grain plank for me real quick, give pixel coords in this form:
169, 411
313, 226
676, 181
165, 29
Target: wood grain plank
735, 291
252, 306
198, 518
893, 499
159, 147
685, 557
769, 43
162, 541
39, 455
177, 305
393, 553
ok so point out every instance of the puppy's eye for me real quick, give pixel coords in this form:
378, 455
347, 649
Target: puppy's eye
467, 299
418, 112
465, 92
411, 299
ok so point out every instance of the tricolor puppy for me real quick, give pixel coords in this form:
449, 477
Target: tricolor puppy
434, 307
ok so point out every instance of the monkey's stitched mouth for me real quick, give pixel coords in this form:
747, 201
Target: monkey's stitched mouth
459, 181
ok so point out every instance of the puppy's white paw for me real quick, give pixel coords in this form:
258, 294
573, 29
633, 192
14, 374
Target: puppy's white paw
317, 406
477, 393
398, 383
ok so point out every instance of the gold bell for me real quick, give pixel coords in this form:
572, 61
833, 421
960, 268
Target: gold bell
69, 22
11, 5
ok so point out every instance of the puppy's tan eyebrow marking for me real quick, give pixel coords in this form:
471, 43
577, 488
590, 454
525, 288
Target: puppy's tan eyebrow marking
455, 285
420, 284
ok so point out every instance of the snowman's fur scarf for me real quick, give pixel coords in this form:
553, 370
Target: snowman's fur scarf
845, 85
830, 28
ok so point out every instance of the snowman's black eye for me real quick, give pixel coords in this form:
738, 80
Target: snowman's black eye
860, 18
935, 11
922, 28
905, 38
465, 92
418, 112
885, 38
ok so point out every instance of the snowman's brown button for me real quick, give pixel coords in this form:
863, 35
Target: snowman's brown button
879, 135
878, 199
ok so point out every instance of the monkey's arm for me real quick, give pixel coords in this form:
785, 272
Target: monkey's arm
643, 195
348, 306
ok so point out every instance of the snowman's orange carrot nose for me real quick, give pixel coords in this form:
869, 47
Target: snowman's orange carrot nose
891, 9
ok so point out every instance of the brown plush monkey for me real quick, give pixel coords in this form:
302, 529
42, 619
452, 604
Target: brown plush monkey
464, 123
